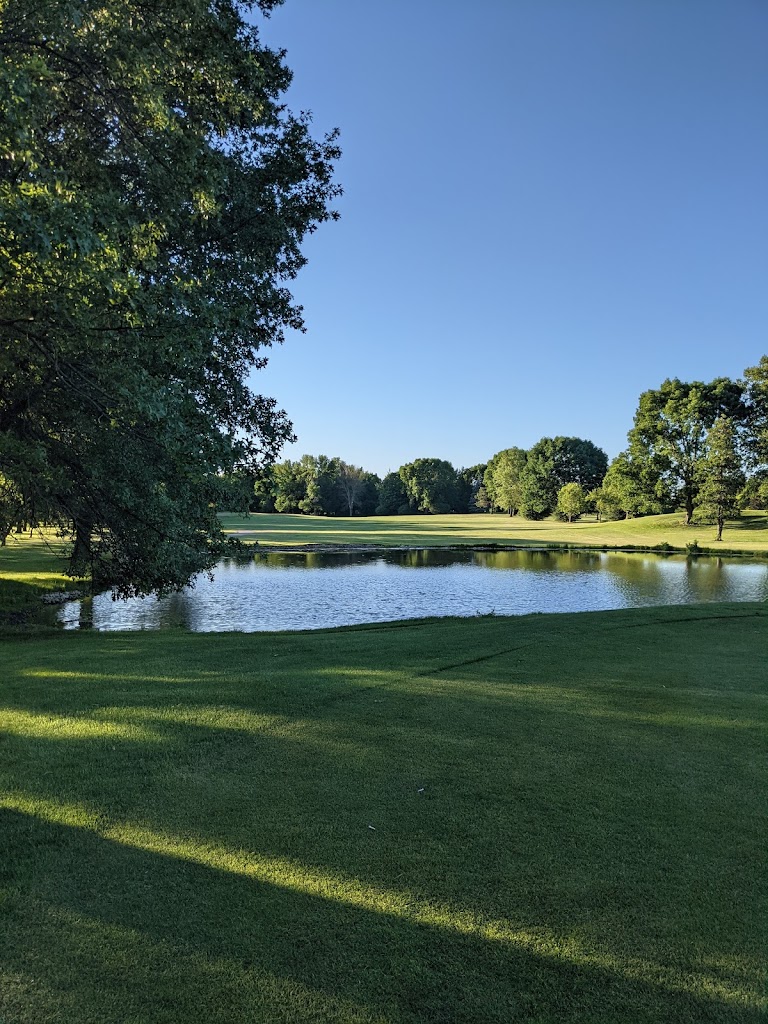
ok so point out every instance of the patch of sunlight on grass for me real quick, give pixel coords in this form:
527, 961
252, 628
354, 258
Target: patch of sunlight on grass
71, 727
34, 576
120, 677
308, 880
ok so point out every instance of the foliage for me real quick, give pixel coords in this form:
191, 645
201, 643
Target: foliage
155, 193
756, 415
430, 485
668, 439
571, 501
468, 482
393, 499
502, 479
554, 462
720, 475
625, 490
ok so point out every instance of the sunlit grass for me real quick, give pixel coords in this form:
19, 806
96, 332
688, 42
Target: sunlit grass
750, 533
353, 892
548, 818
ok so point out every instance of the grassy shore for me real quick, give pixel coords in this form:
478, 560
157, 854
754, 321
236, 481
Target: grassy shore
539, 819
748, 534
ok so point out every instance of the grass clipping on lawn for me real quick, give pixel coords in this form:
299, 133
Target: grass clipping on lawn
550, 818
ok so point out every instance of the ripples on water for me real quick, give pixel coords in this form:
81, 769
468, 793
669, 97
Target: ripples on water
311, 590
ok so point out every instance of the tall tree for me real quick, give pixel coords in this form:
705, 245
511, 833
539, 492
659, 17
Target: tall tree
393, 499
554, 462
430, 485
624, 489
670, 429
352, 481
469, 480
721, 477
154, 192
756, 414
502, 478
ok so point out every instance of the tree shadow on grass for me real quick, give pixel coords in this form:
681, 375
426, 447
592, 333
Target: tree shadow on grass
104, 932
562, 815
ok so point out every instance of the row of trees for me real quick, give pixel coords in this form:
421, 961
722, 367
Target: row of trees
699, 446
515, 480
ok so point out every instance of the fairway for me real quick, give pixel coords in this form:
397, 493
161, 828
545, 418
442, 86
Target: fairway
543, 819
747, 534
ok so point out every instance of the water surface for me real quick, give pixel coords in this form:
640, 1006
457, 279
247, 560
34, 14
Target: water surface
300, 590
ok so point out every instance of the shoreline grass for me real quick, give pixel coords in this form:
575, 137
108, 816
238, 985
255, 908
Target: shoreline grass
545, 819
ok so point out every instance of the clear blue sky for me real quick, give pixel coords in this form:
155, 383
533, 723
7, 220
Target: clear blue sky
550, 206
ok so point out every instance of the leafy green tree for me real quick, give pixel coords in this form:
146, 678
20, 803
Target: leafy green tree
571, 501
756, 414
721, 477
624, 489
430, 485
322, 494
482, 500
154, 198
290, 486
468, 482
503, 478
603, 501
368, 498
754, 493
554, 462
393, 499
668, 438
353, 484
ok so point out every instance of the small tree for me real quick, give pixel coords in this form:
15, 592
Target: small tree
571, 501
720, 476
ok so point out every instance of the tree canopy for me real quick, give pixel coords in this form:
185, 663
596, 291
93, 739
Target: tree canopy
154, 194
668, 439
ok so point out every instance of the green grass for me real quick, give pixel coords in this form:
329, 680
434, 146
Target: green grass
748, 534
540, 819
30, 566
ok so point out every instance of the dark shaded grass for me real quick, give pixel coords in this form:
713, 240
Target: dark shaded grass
186, 831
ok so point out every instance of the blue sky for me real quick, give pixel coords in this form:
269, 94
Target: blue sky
549, 206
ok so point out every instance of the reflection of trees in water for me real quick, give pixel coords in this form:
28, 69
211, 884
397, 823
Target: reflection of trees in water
541, 561
271, 591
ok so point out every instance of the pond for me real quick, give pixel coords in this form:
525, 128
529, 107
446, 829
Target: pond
301, 590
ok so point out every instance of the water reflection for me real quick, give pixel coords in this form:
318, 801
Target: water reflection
309, 590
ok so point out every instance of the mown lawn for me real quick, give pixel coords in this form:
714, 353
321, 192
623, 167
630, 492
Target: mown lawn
540, 819
749, 533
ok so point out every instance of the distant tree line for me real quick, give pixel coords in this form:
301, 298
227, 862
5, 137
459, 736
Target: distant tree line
702, 447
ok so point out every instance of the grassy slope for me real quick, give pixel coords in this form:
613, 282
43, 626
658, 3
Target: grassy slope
566, 818
750, 533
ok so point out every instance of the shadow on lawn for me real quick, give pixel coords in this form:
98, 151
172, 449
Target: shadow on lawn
118, 934
627, 839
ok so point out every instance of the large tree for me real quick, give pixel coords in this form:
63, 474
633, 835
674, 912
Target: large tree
154, 195
553, 462
721, 475
756, 414
668, 439
430, 485
502, 479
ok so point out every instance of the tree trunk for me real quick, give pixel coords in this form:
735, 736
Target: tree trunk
81, 554
688, 506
